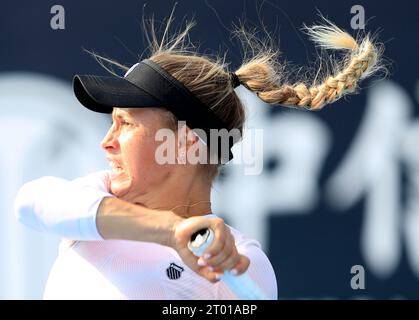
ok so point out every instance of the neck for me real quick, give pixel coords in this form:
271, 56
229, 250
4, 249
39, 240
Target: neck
186, 197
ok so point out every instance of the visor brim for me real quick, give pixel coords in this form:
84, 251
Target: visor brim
102, 94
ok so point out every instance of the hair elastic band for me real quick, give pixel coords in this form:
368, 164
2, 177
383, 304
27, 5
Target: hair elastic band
235, 81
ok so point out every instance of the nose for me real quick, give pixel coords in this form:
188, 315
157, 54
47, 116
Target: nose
110, 141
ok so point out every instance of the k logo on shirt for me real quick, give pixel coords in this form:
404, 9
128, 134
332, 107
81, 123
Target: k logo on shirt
174, 271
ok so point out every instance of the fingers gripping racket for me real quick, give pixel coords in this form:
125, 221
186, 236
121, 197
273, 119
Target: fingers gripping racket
242, 285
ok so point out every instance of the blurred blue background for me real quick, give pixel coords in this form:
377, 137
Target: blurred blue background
339, 187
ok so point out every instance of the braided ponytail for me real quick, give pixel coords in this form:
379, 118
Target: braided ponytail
260, 75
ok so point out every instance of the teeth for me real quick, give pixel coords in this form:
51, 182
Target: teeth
115, 168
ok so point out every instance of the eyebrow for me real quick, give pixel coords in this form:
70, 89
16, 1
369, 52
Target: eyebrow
121, 115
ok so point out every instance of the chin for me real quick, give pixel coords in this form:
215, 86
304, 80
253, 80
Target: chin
120, 189
125, 190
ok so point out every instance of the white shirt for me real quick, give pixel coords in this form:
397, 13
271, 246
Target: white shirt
92, 268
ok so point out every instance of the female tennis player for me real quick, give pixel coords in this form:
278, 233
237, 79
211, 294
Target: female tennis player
147, 210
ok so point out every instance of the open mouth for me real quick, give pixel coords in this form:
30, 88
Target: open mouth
116, 168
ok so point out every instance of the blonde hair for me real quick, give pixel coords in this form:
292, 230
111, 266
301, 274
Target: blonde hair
208, 76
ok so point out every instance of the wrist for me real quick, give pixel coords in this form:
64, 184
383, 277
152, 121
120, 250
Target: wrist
171, 221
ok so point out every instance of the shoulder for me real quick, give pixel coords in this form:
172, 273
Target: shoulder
99, 180
249, 247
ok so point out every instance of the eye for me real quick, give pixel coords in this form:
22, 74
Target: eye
125, 123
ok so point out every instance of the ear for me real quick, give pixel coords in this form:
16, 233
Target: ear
191, 138
186, 139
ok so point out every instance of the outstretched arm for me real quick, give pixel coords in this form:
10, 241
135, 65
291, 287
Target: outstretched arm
83, 209
118, 219
61, 207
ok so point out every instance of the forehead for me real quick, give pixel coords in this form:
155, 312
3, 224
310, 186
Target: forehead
127, 112
139, 114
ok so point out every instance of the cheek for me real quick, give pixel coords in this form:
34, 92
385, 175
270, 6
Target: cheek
139, 155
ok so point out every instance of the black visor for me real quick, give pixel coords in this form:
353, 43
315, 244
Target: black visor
146, 84
101, 94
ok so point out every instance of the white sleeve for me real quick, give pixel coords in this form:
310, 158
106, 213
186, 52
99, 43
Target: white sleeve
260, 271
61, 207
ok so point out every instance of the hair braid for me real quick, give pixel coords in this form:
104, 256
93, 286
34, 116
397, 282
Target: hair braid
258, 75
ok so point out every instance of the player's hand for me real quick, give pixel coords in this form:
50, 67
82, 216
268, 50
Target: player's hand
219, 256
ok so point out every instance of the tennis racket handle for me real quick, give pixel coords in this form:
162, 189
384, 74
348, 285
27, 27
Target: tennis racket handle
241, 285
